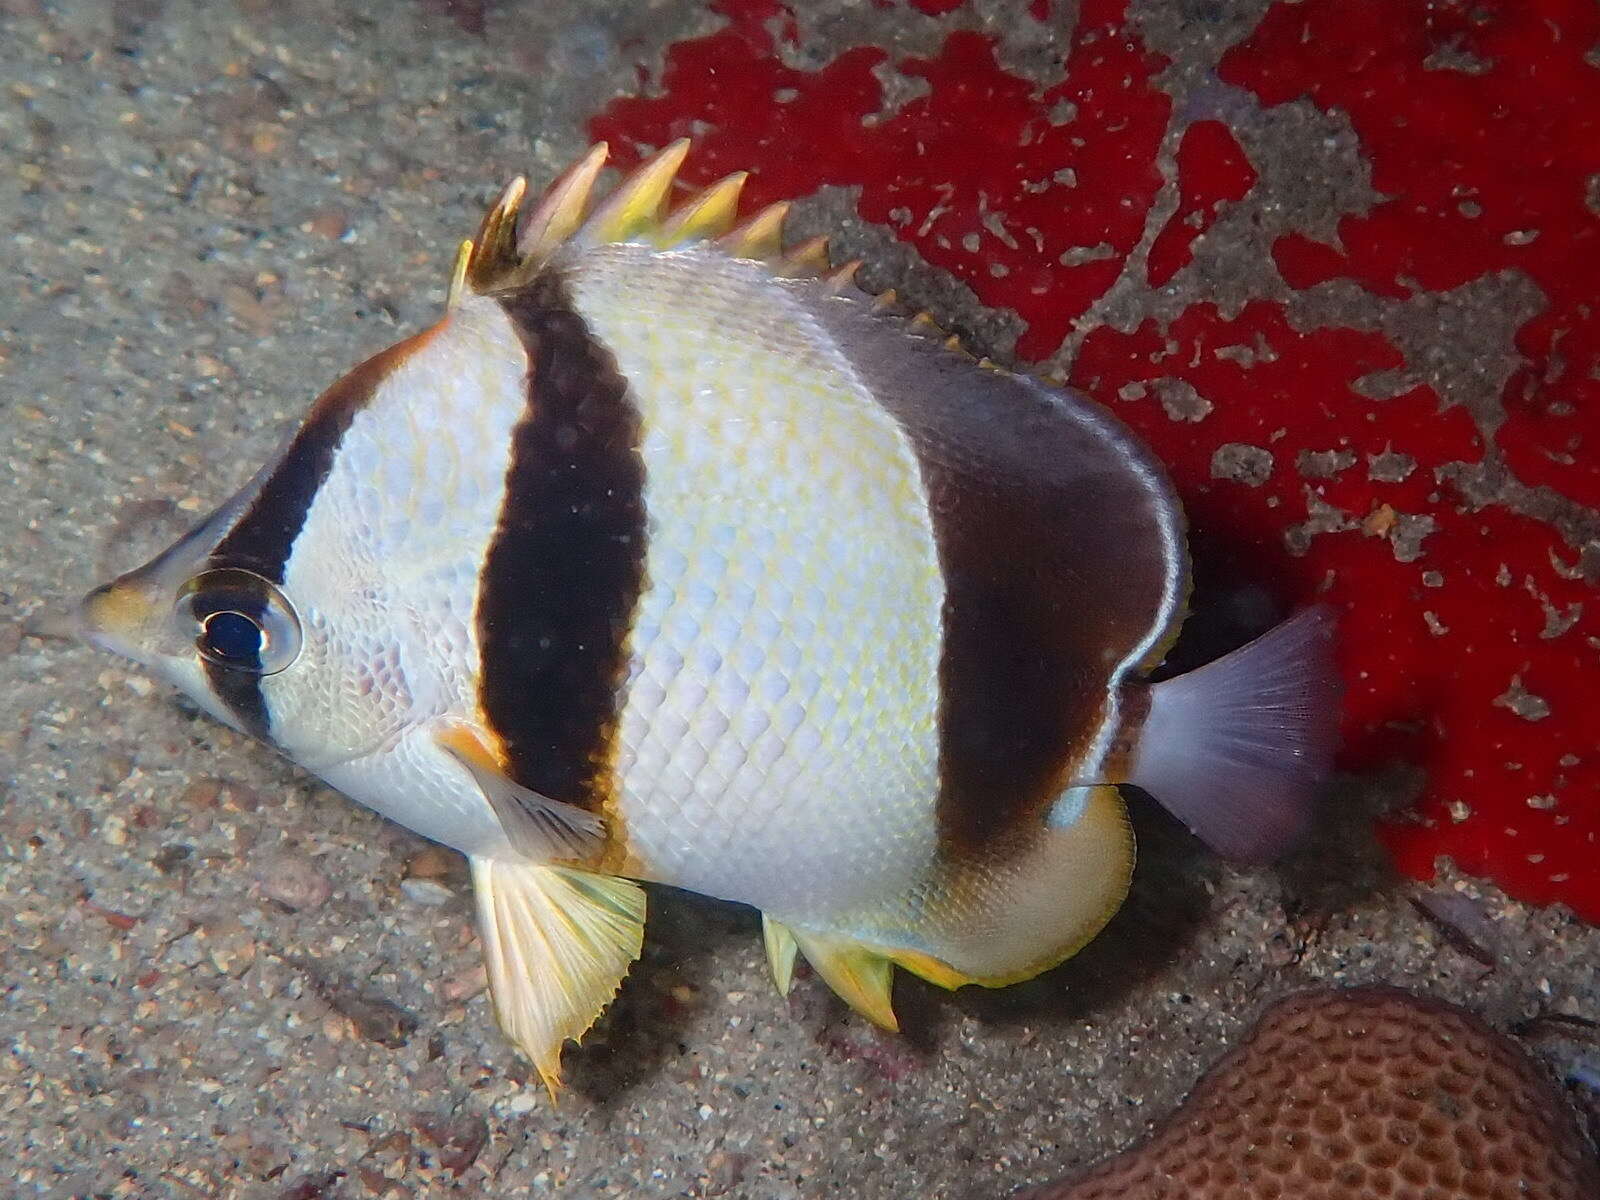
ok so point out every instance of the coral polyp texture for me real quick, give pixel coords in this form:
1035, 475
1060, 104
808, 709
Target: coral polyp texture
1336, 268
1361, 1094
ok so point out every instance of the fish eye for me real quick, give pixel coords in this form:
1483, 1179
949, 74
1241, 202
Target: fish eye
232, 637
239, 621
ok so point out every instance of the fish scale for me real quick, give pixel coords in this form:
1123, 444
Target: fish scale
668, 556
743, 589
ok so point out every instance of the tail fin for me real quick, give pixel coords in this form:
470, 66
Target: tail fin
1238, 748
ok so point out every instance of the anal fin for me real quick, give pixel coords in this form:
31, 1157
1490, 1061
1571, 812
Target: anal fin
935, 971
781, 948
1027, 904
861, 977
557, 943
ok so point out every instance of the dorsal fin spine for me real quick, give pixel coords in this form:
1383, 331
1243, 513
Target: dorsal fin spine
561, 209
495, 244
458, 274
761, 237
843, 276
705, 215
809, 257
638, 203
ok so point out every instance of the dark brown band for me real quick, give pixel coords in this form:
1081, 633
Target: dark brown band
565, 569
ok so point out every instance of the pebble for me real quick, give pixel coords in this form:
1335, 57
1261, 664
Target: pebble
230, 946
114, 831
293, 882
329, 222
437, 862
202, 793
426, 891
465, 985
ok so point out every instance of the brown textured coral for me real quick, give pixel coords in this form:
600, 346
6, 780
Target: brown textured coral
1364, 1094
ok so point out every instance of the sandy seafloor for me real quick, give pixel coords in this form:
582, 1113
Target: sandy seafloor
211, 211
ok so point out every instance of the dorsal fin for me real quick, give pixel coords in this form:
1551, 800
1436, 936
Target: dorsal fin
517, 238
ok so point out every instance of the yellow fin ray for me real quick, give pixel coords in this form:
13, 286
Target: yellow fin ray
781, 949
639, 201
458, 275
557, 943
761, 237
561, 210
809, 257
862, 978
707, 214
925, 966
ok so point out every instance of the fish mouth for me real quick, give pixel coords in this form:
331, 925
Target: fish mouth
56, 623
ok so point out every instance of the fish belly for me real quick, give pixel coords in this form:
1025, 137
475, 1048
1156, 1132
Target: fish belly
778, 739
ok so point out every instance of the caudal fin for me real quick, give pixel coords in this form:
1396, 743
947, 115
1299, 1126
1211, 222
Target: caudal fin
1239, 748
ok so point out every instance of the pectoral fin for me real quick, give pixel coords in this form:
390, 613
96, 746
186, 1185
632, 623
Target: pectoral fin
862, 978
557, 943
539, 827
781, 948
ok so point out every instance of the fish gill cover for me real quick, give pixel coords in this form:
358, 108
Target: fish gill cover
1301, 378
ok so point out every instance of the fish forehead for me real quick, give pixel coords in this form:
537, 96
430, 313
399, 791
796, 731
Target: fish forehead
384, 568
782, 675
416, 484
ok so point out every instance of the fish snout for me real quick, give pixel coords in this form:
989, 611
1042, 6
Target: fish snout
111, 617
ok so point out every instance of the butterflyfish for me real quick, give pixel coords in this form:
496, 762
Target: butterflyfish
669, 554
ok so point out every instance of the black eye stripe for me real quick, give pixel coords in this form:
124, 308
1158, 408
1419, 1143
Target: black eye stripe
240, 691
